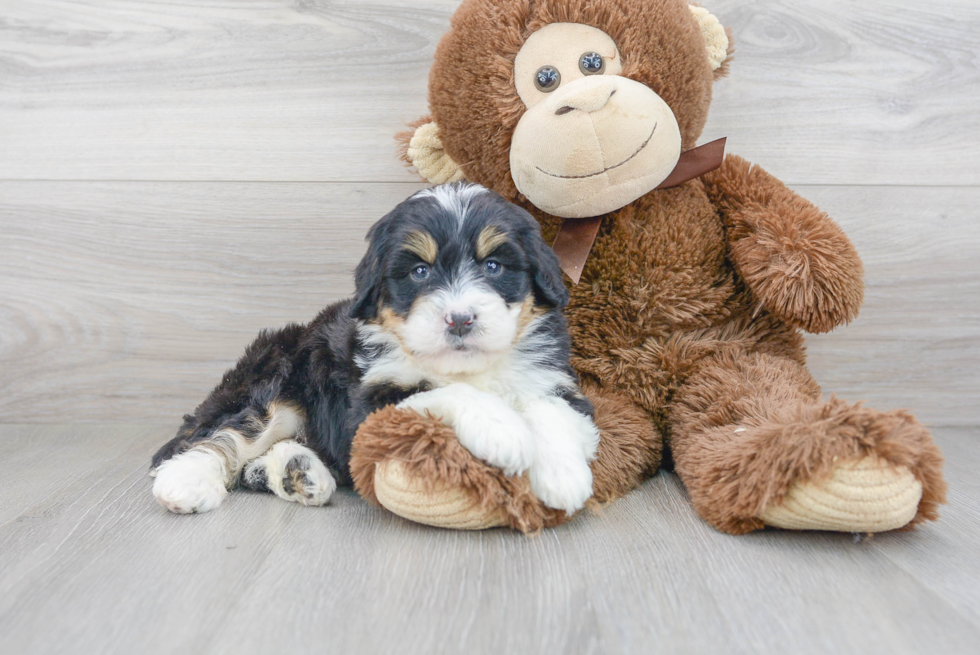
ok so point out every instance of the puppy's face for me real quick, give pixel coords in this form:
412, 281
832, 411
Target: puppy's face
455, 273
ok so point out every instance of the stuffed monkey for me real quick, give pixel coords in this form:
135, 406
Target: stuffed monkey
692, 276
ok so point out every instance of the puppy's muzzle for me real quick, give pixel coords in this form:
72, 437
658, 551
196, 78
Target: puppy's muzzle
460, 324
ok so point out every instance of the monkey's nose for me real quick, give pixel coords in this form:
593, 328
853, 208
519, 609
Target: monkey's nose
588, 95
460, 324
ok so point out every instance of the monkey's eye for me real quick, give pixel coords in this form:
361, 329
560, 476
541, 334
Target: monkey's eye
420, 272
591, 63
547, 79
493, 267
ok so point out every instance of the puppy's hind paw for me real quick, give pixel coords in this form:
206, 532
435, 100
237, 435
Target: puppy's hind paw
191, 482
293, 472
307, 481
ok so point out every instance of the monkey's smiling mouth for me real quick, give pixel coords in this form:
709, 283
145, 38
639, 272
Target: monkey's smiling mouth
604, 170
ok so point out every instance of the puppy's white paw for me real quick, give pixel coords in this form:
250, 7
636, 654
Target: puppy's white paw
485, 425
193, 481
566, 442
442, 403
562, 482
501, 439
293, 472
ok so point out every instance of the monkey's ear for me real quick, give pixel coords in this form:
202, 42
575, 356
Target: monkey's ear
715, 37
426, 154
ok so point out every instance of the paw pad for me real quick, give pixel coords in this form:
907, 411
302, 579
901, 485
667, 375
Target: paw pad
295, 479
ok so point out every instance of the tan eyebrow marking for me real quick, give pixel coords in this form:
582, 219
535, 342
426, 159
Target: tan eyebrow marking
529, 312
489, 240
423, 245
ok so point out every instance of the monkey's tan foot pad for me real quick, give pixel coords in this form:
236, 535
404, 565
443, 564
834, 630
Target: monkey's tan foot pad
453, 508
866, 495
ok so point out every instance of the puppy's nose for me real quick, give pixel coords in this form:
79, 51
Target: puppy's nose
460, 324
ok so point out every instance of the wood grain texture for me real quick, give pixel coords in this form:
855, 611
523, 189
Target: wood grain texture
117, 296
838, 92
835, 92
916, 343
126, 301
162, 90
96, 566
175, 176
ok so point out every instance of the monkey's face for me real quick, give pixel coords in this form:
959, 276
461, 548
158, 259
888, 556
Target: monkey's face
577, 107
590, 140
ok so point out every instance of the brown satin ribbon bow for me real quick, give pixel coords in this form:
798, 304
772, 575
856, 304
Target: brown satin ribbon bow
577, 235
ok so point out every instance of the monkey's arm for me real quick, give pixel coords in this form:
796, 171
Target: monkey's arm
414, 466
798, 262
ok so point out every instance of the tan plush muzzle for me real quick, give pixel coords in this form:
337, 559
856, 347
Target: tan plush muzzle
591, 142
593, 146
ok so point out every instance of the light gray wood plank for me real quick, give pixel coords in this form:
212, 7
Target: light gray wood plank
39, 461
90, 603
126, 301
101, 568
936, 556
161, 90
115, 297
834, 92
838, 92
916, 343
646, 572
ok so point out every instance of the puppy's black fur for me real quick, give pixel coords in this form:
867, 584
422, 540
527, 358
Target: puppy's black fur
317, 368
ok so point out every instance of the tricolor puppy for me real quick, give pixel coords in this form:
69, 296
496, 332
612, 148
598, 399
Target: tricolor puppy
457, 312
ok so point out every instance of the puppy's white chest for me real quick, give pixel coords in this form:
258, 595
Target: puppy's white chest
513, 386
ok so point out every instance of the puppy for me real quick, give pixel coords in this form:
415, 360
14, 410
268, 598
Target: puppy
457, 313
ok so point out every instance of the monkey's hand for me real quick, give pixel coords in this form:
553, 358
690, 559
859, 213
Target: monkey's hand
797, 261
413, 465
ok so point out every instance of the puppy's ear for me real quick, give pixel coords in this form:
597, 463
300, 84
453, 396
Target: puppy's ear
369, 276
549, 284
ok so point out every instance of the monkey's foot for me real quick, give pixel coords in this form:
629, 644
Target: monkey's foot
453, 508
863, 495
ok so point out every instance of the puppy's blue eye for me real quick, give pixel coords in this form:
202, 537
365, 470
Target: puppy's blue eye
493, 267
420, 272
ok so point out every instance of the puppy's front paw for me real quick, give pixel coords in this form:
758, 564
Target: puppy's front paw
443, 403
500, 438
562, 483
293, 472
485, 425
191, 482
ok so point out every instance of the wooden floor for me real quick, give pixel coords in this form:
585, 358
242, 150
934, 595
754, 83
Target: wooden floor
175, 176
91, 564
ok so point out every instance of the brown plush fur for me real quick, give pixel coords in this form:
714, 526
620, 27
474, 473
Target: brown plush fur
785, 434
687, 319
430, 452
800, 263
630, 449
475, 102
